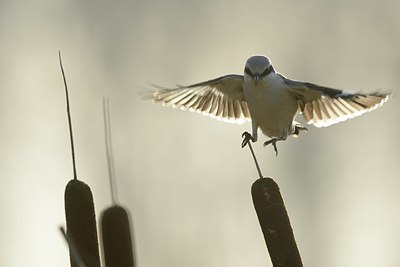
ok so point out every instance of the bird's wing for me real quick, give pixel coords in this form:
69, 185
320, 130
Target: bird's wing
324, 106
221, 98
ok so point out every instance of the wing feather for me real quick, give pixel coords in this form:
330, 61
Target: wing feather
324, 106
221, 98
214, 105
245, 109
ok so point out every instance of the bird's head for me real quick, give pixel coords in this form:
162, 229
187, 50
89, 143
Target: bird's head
258, 67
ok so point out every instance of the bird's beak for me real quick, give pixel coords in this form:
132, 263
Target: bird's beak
256, 78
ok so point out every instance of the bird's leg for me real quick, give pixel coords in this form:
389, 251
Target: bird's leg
273, 142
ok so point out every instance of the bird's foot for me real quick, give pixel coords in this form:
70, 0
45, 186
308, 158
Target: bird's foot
273, 142
299, 128
246, 138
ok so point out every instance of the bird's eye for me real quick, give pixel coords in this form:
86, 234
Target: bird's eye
267, 71
247, 70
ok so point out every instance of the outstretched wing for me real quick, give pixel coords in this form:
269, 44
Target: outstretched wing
221, 98
324, 106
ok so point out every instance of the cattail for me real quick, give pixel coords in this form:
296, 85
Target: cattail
81, 222
115, 227
116, 236
275, 223
79, 210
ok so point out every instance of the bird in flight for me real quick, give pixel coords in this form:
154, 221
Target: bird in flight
269, 100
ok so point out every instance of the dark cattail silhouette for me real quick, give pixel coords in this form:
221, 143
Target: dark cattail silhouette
79, 210
116, 236
81, 222
275, 223
115, 221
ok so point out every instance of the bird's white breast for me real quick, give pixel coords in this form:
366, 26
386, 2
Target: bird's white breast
271, 105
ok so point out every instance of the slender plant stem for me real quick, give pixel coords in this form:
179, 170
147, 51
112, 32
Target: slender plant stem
69, 117
255, 160
110, 153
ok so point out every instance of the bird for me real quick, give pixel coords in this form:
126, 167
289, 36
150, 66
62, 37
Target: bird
269, 100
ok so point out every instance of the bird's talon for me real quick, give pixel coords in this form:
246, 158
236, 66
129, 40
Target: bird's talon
273, 142
246, 138
275, 148
244, 143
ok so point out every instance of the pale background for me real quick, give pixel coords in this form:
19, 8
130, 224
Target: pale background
184, 177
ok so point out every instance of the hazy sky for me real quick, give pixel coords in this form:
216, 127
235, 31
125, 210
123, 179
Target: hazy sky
183, 176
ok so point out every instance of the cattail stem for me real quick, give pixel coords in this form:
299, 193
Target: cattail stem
255, 160
109, 152
69, 117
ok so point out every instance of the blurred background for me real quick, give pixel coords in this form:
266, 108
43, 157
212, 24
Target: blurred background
183, 176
